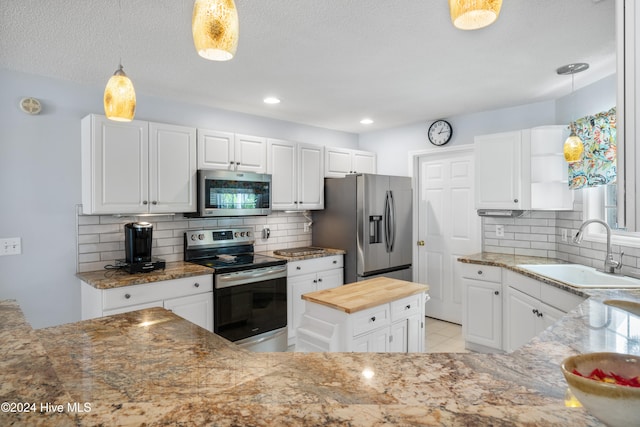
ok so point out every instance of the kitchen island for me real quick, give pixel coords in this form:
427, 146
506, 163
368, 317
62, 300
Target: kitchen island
153, 367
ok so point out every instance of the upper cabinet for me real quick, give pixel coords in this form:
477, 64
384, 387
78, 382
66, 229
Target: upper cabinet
523, 170
137, 167
229, 151
343, 161
296, 175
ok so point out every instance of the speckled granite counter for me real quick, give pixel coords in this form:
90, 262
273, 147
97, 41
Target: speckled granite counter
108, 279
326, 252
155, 368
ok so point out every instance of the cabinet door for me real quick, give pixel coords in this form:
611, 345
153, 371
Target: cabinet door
337, 162
281, 160
521, 321
172, 168
115, 158
215, 149
373, 342
550, 315
482, 313
197, 309
364, 162
399, 338
499, 171
330, 279
415, 333
250, 153
296, 287
310, 177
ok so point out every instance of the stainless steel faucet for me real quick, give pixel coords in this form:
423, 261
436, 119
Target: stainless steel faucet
610, 264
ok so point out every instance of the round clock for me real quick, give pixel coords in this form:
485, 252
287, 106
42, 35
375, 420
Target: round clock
440, 132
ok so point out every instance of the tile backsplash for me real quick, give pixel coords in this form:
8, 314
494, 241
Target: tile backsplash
539, 233
100, 238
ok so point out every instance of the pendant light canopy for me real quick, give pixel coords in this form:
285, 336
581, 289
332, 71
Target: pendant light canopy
119, 97
474, 14
215, 29
573, 145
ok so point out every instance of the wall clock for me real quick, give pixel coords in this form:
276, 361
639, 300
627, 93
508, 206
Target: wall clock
440, 132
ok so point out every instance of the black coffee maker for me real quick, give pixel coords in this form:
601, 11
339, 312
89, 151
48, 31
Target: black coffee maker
137, 246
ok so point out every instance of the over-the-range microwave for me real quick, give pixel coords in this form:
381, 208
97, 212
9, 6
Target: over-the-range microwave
233, 193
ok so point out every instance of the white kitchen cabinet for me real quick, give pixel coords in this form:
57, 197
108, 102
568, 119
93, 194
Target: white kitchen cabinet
397, 326
481, 307
549, 171
309, 276
229, 151
530, 307
189, 297
297, 172
342, 161
137, 167
502, 171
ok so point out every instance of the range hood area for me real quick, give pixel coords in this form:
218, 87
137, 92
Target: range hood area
500, 213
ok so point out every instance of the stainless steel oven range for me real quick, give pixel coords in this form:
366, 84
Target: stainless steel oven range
250, 290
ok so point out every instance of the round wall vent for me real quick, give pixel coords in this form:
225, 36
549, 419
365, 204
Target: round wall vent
30, 106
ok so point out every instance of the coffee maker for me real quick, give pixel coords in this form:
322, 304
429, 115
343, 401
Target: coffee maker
138, 238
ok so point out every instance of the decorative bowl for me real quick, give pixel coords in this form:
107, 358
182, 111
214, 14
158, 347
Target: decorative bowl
615, 405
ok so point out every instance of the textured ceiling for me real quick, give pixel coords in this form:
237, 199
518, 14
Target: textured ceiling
332, 62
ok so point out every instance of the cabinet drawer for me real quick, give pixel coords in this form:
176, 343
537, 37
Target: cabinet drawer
314, 265
156, 291
523, 283
487, 273
370, 319
405, 307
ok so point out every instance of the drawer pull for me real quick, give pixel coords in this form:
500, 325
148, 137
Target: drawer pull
197, 285
373, 319
298, 268
408, 307
535, 311
496, 292
315, 281
480, 272
335, 261
127, 296
320, 279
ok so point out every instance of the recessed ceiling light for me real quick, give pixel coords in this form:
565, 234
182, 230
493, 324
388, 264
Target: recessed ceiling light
366, 121
271, 100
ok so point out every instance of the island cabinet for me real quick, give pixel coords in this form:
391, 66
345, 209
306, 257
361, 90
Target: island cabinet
231, 151
188, 297
297, 175
305, 276
137, 167
482, 307
342, 161
531, 306
375, 315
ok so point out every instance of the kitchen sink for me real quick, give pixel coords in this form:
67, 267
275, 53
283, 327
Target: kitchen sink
304, 251
581, 276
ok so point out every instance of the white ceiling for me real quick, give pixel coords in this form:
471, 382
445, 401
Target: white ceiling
332, 62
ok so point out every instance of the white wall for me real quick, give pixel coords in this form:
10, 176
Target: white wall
40, 180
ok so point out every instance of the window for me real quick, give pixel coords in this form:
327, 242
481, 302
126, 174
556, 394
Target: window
600, 202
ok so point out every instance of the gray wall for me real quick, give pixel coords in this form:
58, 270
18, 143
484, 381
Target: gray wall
40, 180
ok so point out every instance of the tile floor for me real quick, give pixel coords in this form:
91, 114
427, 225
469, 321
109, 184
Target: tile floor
443, 337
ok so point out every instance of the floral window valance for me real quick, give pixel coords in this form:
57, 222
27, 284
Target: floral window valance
598, 164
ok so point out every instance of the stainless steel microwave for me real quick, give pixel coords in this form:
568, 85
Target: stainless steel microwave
233, 193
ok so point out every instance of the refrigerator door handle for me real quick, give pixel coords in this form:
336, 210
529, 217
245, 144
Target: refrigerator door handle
389, 222
392, 222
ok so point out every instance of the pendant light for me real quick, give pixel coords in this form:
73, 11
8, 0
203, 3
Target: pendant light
119, 94
573, 145
215, 29
474, 14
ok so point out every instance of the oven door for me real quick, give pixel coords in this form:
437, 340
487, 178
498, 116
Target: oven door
230, 193
250, 302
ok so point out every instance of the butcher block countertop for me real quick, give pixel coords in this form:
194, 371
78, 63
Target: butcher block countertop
369, 293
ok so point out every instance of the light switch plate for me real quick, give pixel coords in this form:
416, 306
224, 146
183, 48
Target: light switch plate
10, 246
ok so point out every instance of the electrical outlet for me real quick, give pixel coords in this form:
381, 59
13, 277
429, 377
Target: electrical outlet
10, 246
564, 234
499, 230
307, 227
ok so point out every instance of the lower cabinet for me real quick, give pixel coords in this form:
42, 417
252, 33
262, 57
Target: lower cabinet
309, 276
397, 326
189, 297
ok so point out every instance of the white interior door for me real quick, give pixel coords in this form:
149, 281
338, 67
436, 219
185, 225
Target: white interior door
448, 225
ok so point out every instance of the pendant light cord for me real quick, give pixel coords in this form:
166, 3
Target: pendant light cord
120, 31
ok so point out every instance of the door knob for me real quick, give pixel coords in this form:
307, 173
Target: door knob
420, 242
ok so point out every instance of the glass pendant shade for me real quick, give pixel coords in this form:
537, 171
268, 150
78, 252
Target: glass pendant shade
215, 29
573, 148
119, 97
474, 14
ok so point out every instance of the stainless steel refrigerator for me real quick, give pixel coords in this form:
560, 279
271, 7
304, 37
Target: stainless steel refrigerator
370, 217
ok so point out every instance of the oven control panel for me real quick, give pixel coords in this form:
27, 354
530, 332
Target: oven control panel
219, 237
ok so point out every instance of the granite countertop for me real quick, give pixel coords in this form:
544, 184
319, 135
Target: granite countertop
325, 252
359, 296
109, 279
152, 367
